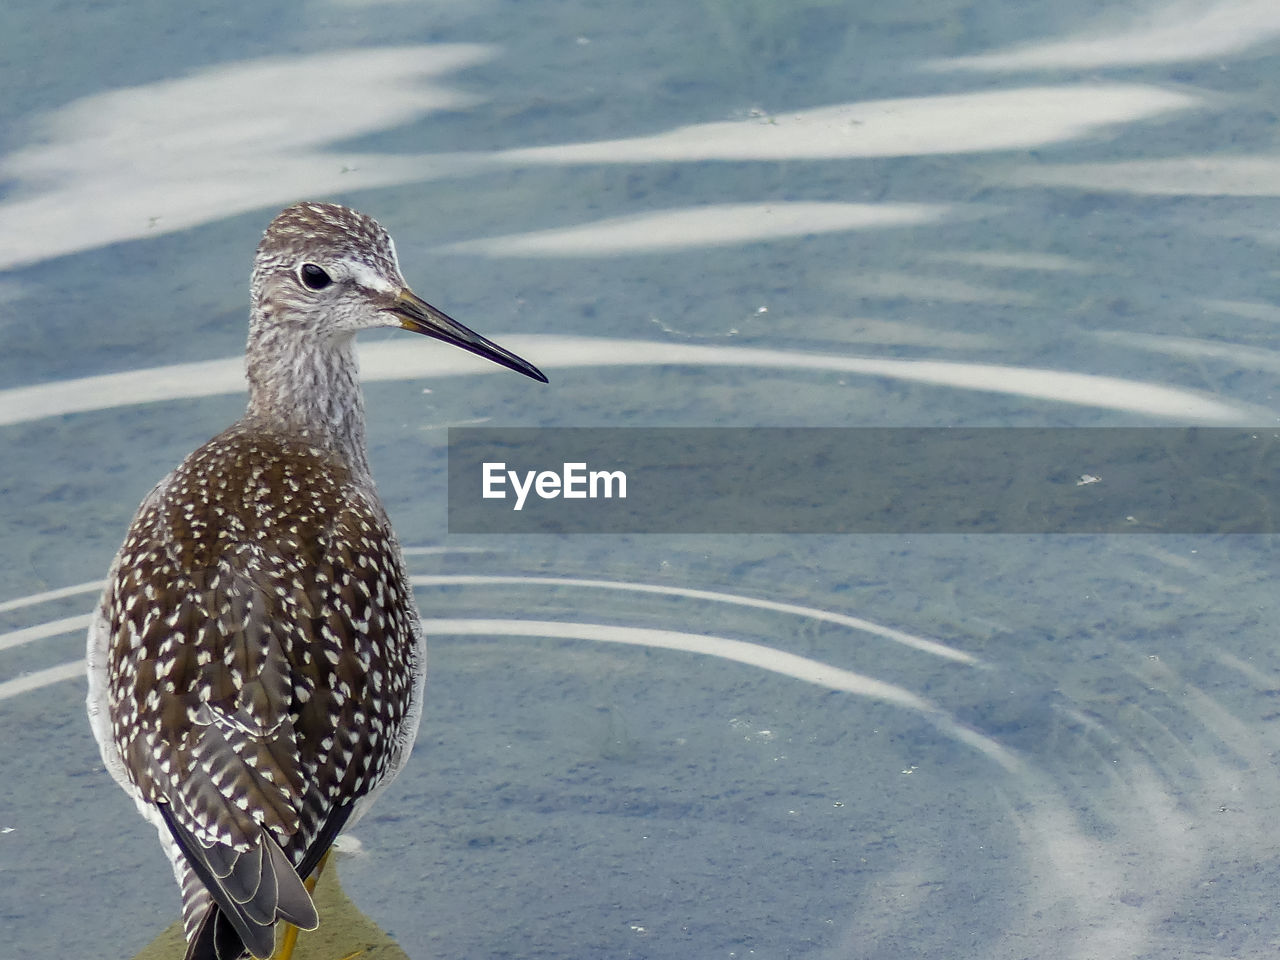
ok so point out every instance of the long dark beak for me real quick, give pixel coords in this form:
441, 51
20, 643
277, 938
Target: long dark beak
421, 317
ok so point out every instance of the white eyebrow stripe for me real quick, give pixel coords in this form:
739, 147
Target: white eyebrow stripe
369, 278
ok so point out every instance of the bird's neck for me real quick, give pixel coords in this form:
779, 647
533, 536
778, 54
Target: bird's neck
307, 388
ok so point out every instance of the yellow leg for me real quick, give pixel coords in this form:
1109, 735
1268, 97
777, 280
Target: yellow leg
284, 950
290, 939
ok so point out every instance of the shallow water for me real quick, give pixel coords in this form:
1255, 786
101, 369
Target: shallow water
687, 215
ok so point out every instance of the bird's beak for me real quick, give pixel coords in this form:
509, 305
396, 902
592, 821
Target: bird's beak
421, 317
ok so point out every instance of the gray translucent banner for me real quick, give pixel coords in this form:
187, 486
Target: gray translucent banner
819, 480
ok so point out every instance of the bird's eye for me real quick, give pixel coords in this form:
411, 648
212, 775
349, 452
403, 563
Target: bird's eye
314, 277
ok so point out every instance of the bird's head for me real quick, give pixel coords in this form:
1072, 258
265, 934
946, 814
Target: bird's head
326, 272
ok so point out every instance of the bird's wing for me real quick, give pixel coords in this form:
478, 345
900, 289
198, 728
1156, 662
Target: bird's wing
261, 666
203, 671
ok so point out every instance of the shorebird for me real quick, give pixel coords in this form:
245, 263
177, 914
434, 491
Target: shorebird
256, 663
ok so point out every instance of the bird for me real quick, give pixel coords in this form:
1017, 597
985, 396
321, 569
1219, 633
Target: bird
256, 662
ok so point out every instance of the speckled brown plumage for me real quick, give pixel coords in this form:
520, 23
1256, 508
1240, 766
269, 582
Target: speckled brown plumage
256, 663
261, 613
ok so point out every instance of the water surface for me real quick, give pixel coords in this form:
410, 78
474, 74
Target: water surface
756, 214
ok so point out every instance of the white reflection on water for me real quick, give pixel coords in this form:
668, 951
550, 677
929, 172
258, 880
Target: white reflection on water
953, 123
753, 654
1249, 309
52, 628
41, 631
38, 679
1202, 176
391, 361
1240, 356
869, 330
1016, 260
857, 623
895, 284
93, 586
153, 159
140, 161
1188, 783
706, 226
1162, 33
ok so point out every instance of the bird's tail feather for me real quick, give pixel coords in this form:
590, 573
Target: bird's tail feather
251, 890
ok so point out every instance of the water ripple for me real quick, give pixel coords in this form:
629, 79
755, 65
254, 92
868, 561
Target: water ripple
390, 361
815, 613
753, 654
984, 120
1162, 34
702, 226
